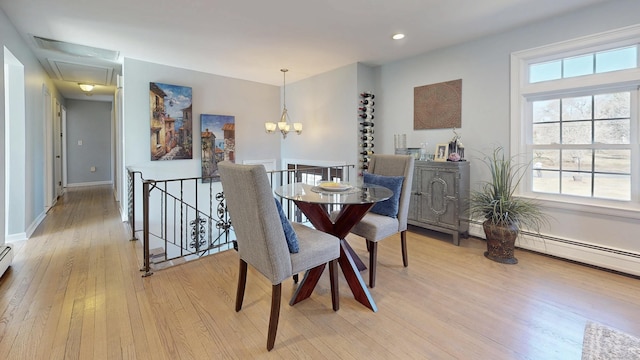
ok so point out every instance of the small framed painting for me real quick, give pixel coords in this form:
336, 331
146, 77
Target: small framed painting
442, 152
218, 137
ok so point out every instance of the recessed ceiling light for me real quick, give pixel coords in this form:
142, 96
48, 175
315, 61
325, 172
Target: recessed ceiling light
397, 36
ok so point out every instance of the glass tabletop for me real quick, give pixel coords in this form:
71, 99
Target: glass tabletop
345, 194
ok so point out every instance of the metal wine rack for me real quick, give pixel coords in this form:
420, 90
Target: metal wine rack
366, 133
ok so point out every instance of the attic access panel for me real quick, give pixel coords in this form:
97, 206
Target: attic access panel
68, 71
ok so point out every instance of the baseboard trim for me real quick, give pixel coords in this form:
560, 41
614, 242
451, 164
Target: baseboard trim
16, 237
94, 183
11, 238
34, 225
592, 254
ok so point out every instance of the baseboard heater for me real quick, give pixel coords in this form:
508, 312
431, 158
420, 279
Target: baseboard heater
6, 256
613, 259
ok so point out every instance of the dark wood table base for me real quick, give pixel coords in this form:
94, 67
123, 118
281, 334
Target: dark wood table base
350, 263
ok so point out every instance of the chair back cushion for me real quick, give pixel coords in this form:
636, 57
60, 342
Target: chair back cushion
387, 207
396, 165
289, 233
255, 219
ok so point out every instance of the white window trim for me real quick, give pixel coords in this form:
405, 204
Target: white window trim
521, 89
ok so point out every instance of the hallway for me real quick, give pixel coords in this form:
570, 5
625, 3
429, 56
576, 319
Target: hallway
68, 283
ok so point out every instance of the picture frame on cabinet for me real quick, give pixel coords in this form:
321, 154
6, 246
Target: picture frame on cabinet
441, 153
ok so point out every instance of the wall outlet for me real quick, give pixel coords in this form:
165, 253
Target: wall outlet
93, 169
79, 142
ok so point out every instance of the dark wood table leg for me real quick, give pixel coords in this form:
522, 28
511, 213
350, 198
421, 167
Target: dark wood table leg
308, 283
348, 217
356, 259
352, 275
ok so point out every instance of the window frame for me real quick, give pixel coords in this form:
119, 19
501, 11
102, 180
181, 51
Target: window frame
522, 93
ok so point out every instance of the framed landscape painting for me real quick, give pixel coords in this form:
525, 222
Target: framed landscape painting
171, 121
218, 135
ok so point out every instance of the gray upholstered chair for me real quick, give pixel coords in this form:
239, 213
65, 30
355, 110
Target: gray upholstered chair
261, 237
375, 227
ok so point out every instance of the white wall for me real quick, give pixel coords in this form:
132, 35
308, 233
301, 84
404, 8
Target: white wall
88, 122
483, 66
14, 147
251, 103
35, 78
327, 106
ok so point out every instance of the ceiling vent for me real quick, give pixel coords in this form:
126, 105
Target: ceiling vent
76, 50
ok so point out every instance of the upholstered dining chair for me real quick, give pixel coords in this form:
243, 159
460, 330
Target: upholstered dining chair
390, 216
260, 228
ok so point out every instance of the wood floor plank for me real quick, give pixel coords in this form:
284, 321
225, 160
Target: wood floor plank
75, 291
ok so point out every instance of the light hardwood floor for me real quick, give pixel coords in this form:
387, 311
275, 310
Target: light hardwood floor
75, 291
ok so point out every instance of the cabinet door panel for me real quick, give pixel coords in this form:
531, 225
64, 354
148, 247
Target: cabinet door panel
439, 197
415, 197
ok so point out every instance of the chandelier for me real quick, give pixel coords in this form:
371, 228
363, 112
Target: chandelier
284, 124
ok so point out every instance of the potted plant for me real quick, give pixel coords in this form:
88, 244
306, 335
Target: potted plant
504, 213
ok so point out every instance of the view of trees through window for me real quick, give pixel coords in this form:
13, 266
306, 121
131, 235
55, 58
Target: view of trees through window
575, 115
581, 145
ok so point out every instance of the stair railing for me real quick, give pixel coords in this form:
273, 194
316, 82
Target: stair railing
186, 218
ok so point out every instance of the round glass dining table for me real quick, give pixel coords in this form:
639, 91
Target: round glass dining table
338, 194
354, 201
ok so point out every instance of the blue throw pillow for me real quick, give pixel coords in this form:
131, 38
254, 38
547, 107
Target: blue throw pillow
289, 233
390, 206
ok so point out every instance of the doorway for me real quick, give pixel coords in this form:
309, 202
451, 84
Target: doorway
15, 152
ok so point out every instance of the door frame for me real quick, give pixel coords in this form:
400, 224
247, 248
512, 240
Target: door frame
58, 142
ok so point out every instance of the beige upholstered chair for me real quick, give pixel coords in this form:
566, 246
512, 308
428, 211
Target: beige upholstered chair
261, 237
375, 227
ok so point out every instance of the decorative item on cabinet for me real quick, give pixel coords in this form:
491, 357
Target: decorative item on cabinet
456, 149
365, 116
415, 152
442, 152
439, 195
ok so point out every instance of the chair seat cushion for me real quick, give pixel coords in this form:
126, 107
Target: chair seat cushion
289, 233
390, 206
316, 248
375, 227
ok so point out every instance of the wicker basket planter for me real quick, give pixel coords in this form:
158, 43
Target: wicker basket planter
500, 242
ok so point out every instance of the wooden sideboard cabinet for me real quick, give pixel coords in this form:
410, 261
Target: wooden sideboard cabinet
439, 195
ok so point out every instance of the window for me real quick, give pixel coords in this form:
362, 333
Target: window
575, 117
581, 145
585, 64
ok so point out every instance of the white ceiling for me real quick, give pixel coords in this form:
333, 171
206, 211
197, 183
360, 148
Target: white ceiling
253, 39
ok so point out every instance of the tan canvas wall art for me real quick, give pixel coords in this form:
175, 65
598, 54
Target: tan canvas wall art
438, 106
